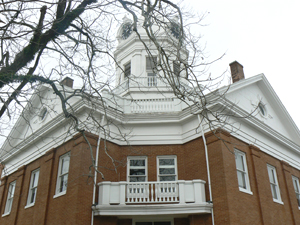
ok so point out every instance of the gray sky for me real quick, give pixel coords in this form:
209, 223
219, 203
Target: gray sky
264, 36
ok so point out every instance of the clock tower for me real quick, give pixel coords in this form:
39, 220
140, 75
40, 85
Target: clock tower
149, 67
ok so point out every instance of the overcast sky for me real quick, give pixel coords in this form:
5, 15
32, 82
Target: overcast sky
264, 36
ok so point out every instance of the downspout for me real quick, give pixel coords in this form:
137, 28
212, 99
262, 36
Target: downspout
207, 168
95, 175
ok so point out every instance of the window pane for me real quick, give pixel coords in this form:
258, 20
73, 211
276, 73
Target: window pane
296, 185
137, 179
240, 162
35, 179
166, 162
162, 223
127, 69
241, 179
151, 63
65, 165
167, 178
139, 162
274, 192
167, 171
137, 171
143, 223
32, 199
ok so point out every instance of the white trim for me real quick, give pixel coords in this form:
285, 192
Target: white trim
61, 175
60, 194
137, 158
33, 189
167, 166
154, 210
29, 206
243, 172
274, 184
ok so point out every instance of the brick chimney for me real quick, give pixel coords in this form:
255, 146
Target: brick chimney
237, 72
67, 82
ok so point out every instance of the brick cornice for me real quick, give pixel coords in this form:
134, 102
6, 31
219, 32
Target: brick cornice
50, 154
255, 151
285, 166
216, 135
21, 170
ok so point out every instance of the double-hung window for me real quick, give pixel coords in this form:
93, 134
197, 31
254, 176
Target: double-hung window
150, 68
34, 180
10, 197
167, 168
63, 172
297, 189
242, 171
274, 184
137, 169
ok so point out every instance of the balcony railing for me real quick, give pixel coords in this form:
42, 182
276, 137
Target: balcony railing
179, 192
147, 82
153, 105
152, 192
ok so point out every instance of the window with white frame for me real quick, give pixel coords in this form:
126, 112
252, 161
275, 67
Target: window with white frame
150, 68
297, 189
10, 197
63, 172
167, 168
137, 169
274, 183
242, 170
34, 180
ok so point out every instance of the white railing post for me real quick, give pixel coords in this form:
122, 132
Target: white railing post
104, 193
122, 192
199, 190
181, 191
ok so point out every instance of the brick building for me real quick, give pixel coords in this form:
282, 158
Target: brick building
173, 168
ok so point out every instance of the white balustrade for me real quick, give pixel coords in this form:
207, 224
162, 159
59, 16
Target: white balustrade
152, 105
180, 192
146, 82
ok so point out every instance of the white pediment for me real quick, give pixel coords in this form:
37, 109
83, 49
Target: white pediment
256, 96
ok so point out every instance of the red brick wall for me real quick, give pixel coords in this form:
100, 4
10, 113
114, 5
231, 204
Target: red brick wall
231, 206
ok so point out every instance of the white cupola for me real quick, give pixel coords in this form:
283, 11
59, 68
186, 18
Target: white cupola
141, 68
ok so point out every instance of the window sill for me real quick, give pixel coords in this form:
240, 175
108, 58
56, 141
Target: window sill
278, 201
59, 194
246, 191
5, 214
30, 205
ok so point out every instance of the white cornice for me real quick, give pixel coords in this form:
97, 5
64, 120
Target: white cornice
157, 209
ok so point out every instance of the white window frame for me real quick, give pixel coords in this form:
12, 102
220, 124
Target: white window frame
129, 158
34, 181
297, 189
60, 190
242, 171
166, 166
274, 184
10, 198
